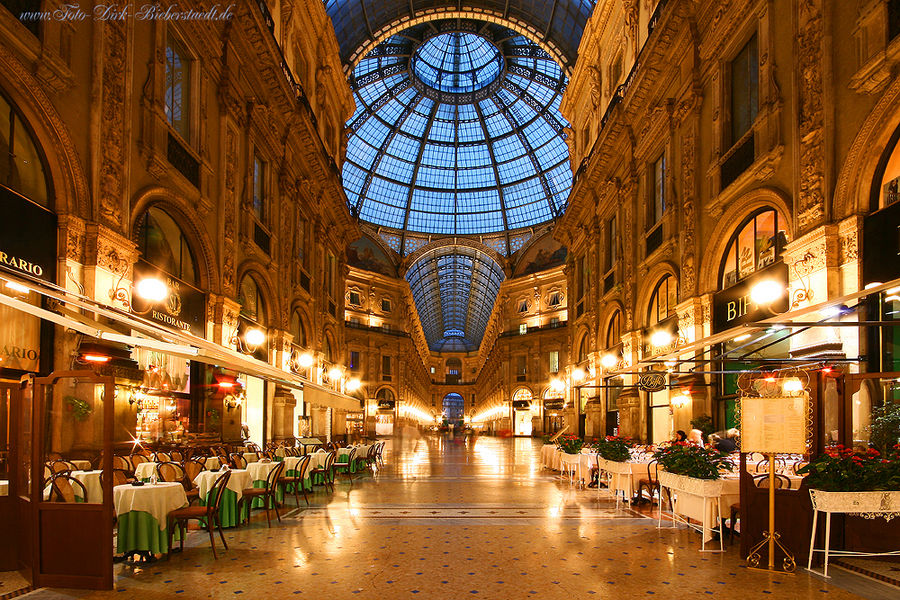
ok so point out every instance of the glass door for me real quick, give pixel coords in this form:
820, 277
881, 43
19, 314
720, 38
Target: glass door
9, 393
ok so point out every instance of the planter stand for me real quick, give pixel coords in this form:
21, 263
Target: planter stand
709, 491
569, 463
868, 505
620, 479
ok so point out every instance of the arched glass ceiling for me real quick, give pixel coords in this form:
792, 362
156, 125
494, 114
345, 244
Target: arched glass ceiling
457, 131
454, 288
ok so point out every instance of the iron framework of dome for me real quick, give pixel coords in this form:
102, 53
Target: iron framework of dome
457, 132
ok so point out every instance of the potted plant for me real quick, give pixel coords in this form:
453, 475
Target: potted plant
885, 428
853, 480
80, 409
692, 469
614, 448
571, 444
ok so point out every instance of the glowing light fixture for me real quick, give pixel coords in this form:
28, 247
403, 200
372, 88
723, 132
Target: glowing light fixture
578, 375
17, 287
305, 360
682, 399
766, 292
743, 337
661, 338
151, 289
335, 373
557, 385
353, 385
792, 386
608, 361
96, 358
254, 337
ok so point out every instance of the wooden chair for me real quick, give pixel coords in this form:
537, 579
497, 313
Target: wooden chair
297, 479
121, 477
210, 513
237, 460
137, 459
347, 467
651, 482
379, 453
251, 447
266, 493
65, 488
62, 466
170, 471
761, 481
162, 457
326, 471
176, 456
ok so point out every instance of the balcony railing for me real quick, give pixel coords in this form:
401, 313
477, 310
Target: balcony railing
545, 327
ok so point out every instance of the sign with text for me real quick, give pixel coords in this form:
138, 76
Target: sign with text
733, 306
27, 237
774, 425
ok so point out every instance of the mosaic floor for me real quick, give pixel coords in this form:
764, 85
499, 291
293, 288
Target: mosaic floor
444, 520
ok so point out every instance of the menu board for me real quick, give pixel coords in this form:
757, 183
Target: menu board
774, 425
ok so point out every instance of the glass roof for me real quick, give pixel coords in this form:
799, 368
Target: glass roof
454, 288
457, 131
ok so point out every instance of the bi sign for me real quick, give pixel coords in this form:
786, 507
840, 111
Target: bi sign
733, 306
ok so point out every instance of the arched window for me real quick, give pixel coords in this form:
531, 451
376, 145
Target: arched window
298, 330
614, 330
21, 163
756, 244
329, 351
523, 394
163, 245
384, 394
584, 348
253, 306
663, 301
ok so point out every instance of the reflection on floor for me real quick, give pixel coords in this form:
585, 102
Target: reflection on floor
12, 584
459, 518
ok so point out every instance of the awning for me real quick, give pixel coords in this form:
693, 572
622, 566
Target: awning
315, 395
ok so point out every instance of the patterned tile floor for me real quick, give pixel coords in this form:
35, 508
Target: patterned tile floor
446, 520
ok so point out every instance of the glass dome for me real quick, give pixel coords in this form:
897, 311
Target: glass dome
457, 132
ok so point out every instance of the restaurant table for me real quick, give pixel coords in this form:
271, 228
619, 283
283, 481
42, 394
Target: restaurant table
92, 487
228, 512
212, 462
142, 513
145, 470
4, 487
705, 501
317, 461
258, 473
550, 456
624, 477
358, 461
290, 470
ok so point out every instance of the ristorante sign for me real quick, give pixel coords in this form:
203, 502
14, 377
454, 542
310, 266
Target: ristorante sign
733, 306
184, 308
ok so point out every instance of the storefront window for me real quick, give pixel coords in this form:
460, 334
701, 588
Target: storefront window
163, 245
757, 244
21, 164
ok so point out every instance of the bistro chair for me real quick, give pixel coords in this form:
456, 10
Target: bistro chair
121, 477
65, 488
267, 494
251, 447
327, 472
781, 481
297, 480
237, 460
176, 456
799, 465
137, 459
161, 457
347, 467
651, 483
169, 471
209, 513
380, 452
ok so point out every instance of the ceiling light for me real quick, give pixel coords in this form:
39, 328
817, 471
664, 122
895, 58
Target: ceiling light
17, 287
97, 358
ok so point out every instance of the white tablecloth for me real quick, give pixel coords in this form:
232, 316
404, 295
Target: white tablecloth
709, 502
91, 482
291, 462
317, 460
260, 470
550, 456
145, 470
157, 500
4, 487
237, 483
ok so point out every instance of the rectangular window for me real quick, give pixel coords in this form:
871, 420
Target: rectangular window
178, 88
520, 368
611, 243
744, 90
329, 274
656, 204
386, 368
554, 361
354, 360
354, 320
301, 241
582, 276
554, 299
554, 321
385, 305
523, 328
259, 188
355, 299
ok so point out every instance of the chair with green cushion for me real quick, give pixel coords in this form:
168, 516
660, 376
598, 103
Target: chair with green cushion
208, 514
267, 494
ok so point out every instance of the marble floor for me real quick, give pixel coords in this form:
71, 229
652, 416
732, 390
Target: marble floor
461, 519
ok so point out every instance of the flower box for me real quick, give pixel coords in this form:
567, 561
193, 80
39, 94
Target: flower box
704, 488
866, 504
611, 466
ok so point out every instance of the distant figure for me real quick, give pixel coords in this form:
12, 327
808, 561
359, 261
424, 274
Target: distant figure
680, 436
695, 437
721, 444
245, 432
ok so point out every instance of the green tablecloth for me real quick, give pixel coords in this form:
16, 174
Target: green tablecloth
140, 531
228, 511
359, 463
279, 494
307, 483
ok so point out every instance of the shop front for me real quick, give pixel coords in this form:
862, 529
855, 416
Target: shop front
521, 406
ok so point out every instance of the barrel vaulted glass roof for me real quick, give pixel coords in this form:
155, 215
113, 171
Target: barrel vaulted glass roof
457, 132
454, 288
